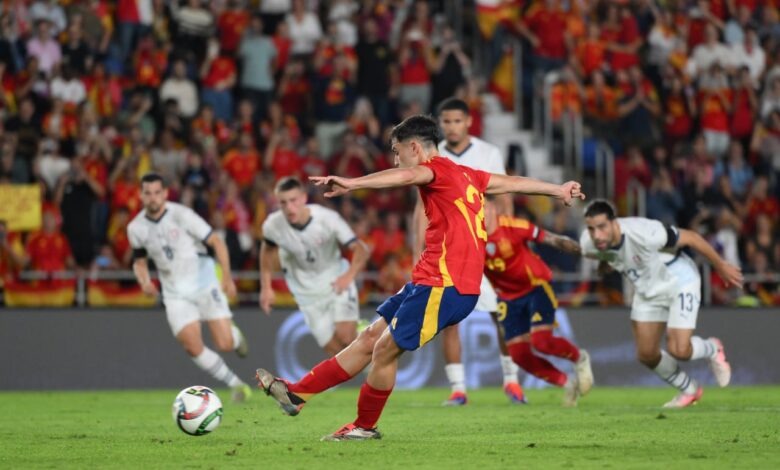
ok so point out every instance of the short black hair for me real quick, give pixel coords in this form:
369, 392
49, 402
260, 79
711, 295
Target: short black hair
419, 126
287, 183
151, 178
453, 104
600, 206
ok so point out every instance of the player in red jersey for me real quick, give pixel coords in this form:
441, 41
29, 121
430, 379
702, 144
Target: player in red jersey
526, 301
445, 282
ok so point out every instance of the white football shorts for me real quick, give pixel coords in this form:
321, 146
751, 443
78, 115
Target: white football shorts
321, 316
207, 304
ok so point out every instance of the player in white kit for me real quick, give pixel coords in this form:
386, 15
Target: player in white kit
308, 239
667, 292
464, 149
176, 239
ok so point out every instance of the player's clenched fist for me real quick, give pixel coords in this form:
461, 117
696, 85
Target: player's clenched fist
150, 289
571, 190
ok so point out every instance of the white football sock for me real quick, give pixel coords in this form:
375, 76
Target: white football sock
510, 370
669, 370
703, 348
456, 374
236, 336
215, 366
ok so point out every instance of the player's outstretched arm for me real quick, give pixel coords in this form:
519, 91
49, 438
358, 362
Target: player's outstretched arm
267, 255
393, 178
731, 274
500, 184
141, 271
562, 243
221, 252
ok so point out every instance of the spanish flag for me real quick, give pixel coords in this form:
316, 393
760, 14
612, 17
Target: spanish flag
55, 293
112, 294
502, 83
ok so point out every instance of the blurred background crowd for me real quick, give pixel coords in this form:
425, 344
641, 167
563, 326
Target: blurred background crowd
223, 97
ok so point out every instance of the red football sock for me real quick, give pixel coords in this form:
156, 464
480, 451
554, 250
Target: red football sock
537, 366
544, 342
371, 402
323, 376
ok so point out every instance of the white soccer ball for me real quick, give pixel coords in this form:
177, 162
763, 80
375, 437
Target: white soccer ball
197, 410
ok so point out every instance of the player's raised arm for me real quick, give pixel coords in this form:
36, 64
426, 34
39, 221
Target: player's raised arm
392, 178
731, 274
500, 184
562, 243
268, 253
221, 253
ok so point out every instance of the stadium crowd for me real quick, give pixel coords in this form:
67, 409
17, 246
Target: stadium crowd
226, 96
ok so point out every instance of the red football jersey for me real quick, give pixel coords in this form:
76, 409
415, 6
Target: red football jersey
455, 239
512, 267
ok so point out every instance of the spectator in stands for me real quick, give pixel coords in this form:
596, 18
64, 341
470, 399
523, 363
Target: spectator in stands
638, 108
621, 34
334, 96
750, 54
415, 61
194, 24
134, 19
664, 201
218, 74
68, 87
50, 11
376, 72
45, 48
311, 161
305, 29
258, 54
231, 24
273, 13
12, 49
761, 202
76, 194
181, 89
679, 111
544, 26
711, 52
736, 169
75, 52
167, 159
362, 121
766, 144
590, 54
242, 162
715, 102
281, 156
770, 102
48, 250
734, 31
451, 67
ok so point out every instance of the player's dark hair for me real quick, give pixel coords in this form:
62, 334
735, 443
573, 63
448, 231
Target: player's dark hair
151, 178
453, 104
421, 127
287, 183
599, 207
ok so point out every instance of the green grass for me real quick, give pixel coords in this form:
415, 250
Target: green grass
612, 428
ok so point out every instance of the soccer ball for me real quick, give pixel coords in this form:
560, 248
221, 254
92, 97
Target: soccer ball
197, 410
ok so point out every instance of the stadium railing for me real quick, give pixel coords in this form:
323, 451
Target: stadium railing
566, 296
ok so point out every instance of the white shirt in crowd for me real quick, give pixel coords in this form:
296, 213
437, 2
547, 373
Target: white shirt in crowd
304, 33
184, 92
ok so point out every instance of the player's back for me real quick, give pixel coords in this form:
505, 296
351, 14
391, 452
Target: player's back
479, 155
647, 256
175, 242
455, 237
310, 255
510, 264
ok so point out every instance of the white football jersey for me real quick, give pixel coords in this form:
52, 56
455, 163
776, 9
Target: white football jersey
310, 255
479, 155
647, 256
175, 242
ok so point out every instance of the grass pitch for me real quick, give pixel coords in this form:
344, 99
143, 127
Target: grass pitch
612, 428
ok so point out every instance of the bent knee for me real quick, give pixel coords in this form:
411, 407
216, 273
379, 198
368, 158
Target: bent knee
649, 358
681, 352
